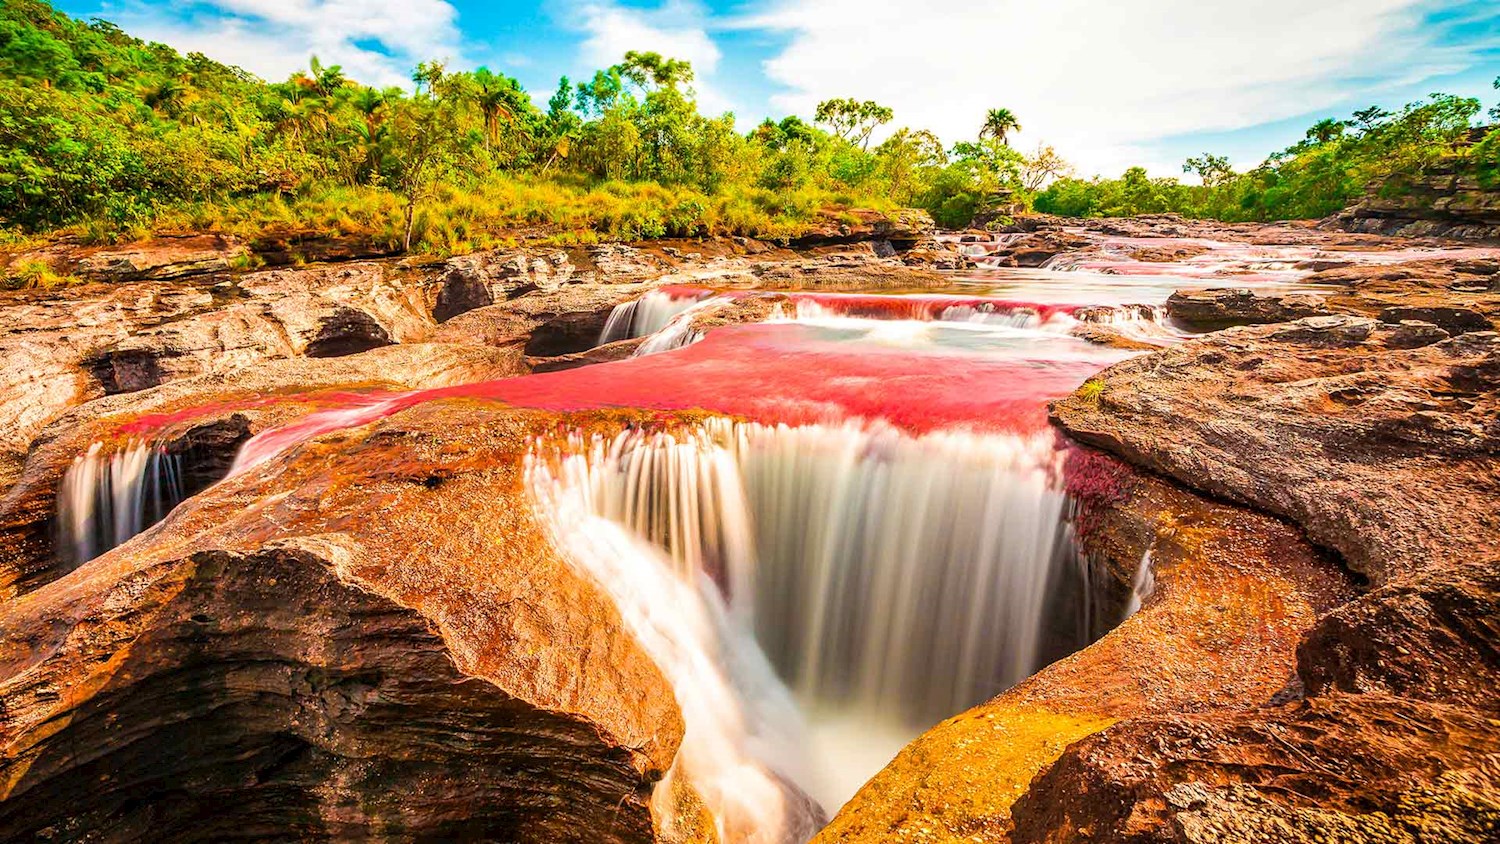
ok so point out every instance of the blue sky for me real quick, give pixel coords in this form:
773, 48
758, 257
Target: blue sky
1108, 82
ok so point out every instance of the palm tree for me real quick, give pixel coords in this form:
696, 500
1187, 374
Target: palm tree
370, 104
998, 124
492, 93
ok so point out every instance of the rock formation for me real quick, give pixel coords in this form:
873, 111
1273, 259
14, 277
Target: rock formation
371, 634
268, 663
1381, 441
1448, 199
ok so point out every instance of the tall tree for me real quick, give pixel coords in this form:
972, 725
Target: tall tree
998, 124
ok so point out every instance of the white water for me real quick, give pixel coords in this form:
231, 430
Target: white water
1142, 585
743, 744
647, 315
892, 580
106, 499
679, 331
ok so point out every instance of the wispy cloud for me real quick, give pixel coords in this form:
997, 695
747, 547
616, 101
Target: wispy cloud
1103, 80
677, 29
375, 41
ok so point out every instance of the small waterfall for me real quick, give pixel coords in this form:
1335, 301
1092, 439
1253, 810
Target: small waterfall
1142, 585
1149, 323
679, 331
105, 499
649, 314
817, 307
891, 580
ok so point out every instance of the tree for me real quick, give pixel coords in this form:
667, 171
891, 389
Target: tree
648, 70
498, 97
1370, 119
852, 120
1042, 167
998, 124
1326, 130
1495, 112
1214, 170
424, 138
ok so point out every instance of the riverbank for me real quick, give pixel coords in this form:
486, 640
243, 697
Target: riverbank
391, 586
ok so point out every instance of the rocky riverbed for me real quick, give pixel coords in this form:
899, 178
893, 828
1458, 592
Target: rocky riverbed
367, 618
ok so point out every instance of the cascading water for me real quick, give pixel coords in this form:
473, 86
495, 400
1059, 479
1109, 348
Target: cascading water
891, 579
106, 498
1142, 585
742, 746
649, 314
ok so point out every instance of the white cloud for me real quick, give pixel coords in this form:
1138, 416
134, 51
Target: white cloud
375, 41
676, 29
1100, 80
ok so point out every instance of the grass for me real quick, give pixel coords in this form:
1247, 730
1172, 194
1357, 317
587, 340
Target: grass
500, 211
35, 274
1091, 391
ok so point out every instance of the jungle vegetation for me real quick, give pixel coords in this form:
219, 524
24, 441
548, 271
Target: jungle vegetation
104, 136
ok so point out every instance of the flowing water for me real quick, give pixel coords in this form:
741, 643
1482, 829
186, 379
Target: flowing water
865, 533
106, 498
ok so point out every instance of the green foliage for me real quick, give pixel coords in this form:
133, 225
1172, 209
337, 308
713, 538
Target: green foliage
111, 136
998, 124
34, 274
1331, 167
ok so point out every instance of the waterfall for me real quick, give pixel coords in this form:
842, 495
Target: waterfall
1142, 585
743, 745
891, 580
106, 499
1149, 323
679, 331
649, 314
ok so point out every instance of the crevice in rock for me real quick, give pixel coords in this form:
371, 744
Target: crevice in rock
347, 332
567, 333
126, 370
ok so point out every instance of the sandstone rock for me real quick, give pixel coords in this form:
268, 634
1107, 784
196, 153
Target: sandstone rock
906, 225
1381, 441
563, 321
1306, 419
1226, 306
1339, 768
618, 350
227, 410
272, 662
163, 257
1451, 320
1444, 201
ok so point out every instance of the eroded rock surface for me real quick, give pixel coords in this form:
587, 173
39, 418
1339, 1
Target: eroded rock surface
1385, 452
270, 661
1448, 199
1381, 440
226, 411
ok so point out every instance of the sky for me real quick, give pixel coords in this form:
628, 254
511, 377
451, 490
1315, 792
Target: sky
1109, 83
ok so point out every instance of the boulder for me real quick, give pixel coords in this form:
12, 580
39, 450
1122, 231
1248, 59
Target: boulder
1221, 307
1384, 452
904, 226
1380, 440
